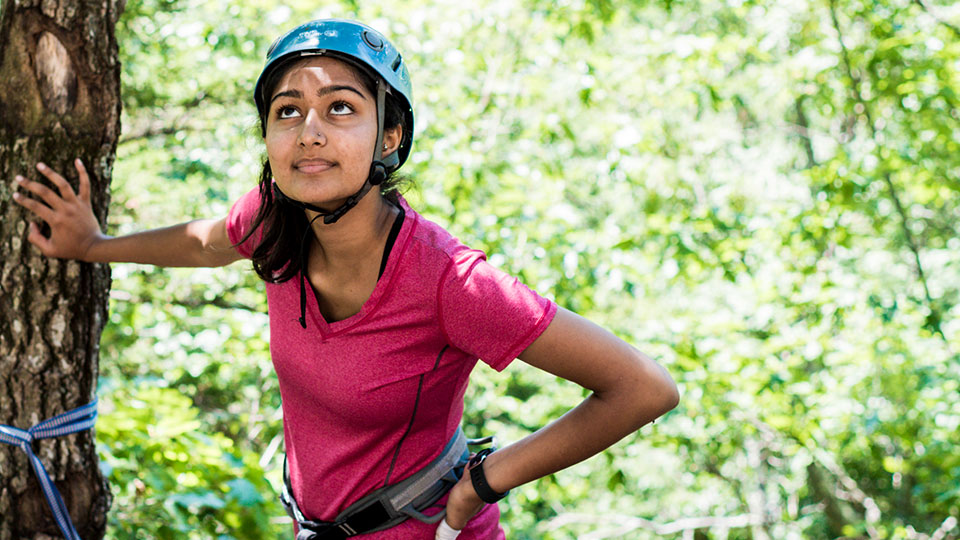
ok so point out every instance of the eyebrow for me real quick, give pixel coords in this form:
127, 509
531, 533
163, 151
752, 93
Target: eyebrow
321, 92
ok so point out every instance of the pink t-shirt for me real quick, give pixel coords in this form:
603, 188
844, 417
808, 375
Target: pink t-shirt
350, 387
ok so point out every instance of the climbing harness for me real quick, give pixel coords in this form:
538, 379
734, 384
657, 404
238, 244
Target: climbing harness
392, 504
79, 419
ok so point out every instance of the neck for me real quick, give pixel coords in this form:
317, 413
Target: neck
356, 236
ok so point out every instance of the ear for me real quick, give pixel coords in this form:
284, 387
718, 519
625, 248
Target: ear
391, 140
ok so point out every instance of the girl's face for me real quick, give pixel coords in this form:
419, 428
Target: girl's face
321, 129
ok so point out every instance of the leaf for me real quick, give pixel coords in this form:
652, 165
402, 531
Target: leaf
244, 492
196, 501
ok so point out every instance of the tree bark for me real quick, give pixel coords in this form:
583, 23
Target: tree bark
59, 100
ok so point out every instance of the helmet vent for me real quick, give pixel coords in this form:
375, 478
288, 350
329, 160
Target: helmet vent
396, 63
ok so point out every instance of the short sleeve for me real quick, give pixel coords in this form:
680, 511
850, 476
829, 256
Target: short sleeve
240, 220
487, 312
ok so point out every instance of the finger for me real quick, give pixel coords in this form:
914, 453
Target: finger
66, 192
36, 238
84, 181
457, 516
52, 199
39, 209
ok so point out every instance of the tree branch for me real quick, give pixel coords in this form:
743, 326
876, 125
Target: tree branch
190, 302
154, 129
852, 492
862, 107
923, 5
804, 132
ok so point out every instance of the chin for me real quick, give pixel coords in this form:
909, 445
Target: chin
318, 189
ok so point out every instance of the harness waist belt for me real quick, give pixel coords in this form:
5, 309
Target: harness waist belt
389, 505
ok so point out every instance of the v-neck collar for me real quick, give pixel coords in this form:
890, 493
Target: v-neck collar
380, 290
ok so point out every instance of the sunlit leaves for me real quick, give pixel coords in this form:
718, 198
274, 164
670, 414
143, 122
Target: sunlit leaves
172, 477
709, 180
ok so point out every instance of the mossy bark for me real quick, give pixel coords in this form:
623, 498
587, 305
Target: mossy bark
59, 100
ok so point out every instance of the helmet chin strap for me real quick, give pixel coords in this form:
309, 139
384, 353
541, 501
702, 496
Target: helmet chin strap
376, 176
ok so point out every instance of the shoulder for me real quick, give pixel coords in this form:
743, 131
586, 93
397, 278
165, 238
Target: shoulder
434, 246
240, 220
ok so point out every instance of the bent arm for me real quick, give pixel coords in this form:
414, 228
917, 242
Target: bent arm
630, 390
75, 232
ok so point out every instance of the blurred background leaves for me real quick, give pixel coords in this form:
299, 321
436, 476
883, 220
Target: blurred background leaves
761, 195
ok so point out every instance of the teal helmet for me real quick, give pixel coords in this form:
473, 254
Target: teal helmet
358, 45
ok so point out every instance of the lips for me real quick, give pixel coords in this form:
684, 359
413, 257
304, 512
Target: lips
312, 165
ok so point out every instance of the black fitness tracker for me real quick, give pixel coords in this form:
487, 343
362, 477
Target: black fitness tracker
479, 480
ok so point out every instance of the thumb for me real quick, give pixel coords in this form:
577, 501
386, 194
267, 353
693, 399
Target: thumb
446, 532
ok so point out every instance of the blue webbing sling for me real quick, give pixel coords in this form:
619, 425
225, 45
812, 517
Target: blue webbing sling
79, 419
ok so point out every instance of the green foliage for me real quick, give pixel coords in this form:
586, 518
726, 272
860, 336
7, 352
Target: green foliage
764, 196
171, 478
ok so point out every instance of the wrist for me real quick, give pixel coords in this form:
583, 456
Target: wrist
89, 251
479, 478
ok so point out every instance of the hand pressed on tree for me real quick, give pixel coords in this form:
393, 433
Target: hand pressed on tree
73, 226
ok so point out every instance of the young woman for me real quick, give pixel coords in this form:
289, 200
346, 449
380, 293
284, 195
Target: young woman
377, 315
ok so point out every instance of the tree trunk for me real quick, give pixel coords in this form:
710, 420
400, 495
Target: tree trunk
59, 99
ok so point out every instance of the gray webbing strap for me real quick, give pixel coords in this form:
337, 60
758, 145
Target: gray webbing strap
430, 474
422, 488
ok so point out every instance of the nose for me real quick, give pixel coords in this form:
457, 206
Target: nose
311, 131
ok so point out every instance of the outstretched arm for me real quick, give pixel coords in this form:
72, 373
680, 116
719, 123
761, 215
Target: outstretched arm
630, 390
75, 232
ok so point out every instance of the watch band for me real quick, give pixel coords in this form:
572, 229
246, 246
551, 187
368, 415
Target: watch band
479, 480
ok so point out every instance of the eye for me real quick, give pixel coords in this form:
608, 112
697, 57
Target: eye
340, 108
286, 111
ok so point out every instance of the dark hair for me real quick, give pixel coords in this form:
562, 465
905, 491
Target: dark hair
276, 258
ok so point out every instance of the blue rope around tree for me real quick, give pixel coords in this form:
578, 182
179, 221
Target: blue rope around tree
79, 419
